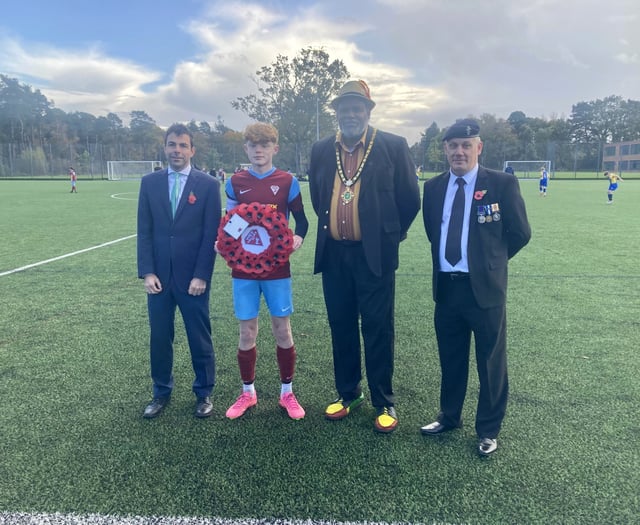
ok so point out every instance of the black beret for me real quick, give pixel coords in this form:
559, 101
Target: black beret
463, 129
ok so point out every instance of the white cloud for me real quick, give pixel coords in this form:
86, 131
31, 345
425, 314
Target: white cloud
626, 58
425, 60
83, 81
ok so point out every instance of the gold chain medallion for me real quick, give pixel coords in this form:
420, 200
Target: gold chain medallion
348, 195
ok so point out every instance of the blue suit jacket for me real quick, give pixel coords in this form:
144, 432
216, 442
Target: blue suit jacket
179, 248
491, 245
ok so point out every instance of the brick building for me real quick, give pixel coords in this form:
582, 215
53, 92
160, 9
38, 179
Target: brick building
621, 157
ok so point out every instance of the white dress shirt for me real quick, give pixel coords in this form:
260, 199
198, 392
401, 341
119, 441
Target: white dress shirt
470, 182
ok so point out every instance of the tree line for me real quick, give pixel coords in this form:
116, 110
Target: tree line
37, 139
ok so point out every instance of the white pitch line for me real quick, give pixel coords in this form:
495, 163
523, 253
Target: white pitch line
118, 196
21, 518
22, 268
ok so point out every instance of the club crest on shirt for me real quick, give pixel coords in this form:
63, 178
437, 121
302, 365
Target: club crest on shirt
275, 189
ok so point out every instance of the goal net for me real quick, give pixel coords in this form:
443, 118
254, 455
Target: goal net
528, 169
130, 169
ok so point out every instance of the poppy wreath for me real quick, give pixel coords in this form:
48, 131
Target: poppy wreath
276, 227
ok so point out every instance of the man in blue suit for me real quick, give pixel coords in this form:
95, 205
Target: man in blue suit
178, 216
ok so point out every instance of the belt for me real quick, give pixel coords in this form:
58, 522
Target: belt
345, 242
454, 276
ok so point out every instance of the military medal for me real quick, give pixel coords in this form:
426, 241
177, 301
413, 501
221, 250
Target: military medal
482, 211
494, 212
348, 195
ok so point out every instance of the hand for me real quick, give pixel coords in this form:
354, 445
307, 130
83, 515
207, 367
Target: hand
297, 242
197, 286
152, 284
215, 247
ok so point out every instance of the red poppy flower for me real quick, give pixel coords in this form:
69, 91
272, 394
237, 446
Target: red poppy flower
479, 195
192, 198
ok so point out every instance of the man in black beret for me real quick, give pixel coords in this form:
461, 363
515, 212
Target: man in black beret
475, 220
464, 128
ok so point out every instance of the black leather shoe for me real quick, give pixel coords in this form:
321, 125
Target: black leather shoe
487, 446
204, 408
154, 408
435, 428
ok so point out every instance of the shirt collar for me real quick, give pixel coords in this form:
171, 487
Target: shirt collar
362, 140
469, 177
261, 175
185, 171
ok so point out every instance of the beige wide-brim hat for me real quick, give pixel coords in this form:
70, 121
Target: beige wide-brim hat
355, 89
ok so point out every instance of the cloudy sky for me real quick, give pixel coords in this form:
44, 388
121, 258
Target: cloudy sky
425, 60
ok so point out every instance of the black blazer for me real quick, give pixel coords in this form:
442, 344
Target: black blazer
180, 247
491, 244
388, 202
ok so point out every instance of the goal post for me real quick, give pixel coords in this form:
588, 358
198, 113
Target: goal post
528, 169
130, 169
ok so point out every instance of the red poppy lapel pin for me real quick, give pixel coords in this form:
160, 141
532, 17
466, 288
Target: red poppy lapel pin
192, 198
479, 195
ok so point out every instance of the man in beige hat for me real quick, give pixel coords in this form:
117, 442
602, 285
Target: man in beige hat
364, 190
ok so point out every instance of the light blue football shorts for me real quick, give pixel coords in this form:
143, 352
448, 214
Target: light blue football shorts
246, 297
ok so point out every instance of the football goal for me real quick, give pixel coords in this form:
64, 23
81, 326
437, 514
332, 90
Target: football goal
130, 169
528, 169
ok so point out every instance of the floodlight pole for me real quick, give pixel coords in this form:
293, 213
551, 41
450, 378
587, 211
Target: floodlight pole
317, 119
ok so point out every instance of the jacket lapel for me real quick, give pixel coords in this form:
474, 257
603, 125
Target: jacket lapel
481, 185
162, 188
189, 187
432, 206
371, 161
440, 191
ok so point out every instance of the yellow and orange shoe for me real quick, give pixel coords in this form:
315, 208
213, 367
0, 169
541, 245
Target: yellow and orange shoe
387, 420
340, 408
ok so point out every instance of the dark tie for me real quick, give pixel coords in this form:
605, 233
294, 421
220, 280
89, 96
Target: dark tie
452, 252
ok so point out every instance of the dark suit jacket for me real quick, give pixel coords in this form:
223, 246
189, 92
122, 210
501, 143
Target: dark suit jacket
491, 244
388, 202
180, 247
